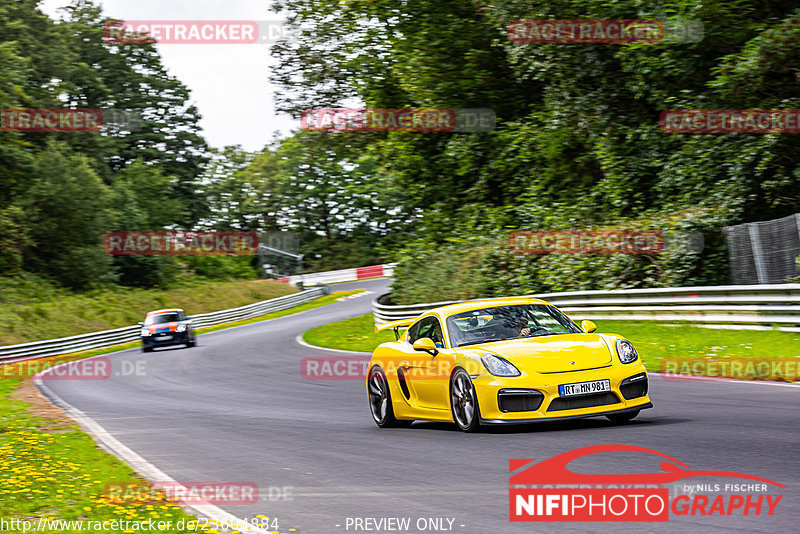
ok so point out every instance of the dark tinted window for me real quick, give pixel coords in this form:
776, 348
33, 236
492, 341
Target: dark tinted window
508, 322
427, 327
162, 318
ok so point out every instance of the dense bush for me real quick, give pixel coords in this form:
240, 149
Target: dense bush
483, 267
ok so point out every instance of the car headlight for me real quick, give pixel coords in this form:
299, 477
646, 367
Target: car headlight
499, 366
181, 328
626, 352
145, 332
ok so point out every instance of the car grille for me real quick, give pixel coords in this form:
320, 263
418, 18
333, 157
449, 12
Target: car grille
519, 400
584, 401
635, 386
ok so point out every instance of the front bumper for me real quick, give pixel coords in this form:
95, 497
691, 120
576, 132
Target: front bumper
159, 340
503, 400
562, 418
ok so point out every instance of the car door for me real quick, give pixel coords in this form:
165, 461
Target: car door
428, 375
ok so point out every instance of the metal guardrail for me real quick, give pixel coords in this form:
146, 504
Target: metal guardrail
108, 338
746, 307
342, 275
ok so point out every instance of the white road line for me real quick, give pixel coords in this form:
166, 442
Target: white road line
676, 378
300, 341
141, 466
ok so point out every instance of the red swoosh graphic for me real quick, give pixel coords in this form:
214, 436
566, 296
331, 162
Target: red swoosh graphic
554, 470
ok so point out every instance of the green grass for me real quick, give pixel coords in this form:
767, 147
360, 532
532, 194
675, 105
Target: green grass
28, 318
655, 342
58, 472
356, 334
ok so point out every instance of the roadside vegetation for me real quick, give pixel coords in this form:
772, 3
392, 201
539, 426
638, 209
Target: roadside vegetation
654, 341
53, 470
577, 145
357, 334
35, 312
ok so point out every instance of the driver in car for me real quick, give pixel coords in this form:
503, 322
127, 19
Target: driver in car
524, 329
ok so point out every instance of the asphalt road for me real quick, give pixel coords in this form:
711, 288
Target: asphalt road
236, 408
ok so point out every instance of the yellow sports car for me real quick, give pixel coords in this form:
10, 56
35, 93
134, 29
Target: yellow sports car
497, 361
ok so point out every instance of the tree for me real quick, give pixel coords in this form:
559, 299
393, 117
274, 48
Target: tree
67, 213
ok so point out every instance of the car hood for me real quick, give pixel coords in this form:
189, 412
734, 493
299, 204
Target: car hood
552, 354
164, 327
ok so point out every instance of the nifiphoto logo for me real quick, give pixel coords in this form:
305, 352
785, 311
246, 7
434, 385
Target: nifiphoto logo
549, 490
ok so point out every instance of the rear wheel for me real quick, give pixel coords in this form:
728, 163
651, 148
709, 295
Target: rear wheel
380, 400
147, 349
622, 418
464, 402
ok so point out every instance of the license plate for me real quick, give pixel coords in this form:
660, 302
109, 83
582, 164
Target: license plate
584, 388
165, 338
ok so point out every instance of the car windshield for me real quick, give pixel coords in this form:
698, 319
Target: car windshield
162, 318
508, 322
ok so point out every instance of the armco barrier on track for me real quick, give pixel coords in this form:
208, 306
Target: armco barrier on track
741, 307
108, 338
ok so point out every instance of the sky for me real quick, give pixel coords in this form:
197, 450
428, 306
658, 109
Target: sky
229, 83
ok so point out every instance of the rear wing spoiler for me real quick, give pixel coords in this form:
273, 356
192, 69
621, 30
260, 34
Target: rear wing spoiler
394, 325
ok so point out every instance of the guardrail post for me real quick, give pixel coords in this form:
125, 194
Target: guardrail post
755, 244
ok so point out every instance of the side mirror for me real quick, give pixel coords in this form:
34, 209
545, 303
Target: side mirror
426, 344
588, 326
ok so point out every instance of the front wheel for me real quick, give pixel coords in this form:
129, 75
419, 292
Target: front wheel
622, 418
380, 400
464, 402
